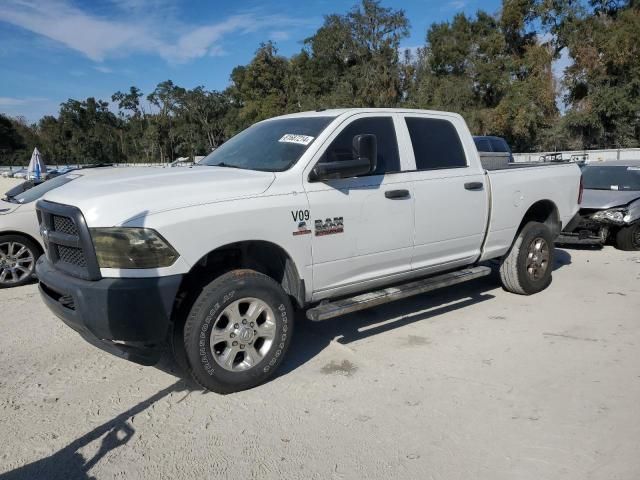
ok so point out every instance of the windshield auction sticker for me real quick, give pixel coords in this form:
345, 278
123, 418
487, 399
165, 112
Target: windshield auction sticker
293, 138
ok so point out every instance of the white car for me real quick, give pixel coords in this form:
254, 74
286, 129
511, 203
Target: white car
332, 211
20, 240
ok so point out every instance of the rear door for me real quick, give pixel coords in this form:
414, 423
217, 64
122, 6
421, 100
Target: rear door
451, 196
362, 226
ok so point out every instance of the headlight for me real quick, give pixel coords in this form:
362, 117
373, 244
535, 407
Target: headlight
615, 215
122, 247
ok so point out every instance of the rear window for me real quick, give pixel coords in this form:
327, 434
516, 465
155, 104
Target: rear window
499, 145
482, 144
611, 178
436, 144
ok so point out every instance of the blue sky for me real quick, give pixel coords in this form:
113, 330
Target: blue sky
52, 50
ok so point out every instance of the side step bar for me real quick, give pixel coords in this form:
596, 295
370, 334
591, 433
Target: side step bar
328, 310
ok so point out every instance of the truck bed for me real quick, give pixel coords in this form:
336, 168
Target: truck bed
492, 161
516, 187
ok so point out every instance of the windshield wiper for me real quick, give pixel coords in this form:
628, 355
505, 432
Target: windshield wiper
222, 164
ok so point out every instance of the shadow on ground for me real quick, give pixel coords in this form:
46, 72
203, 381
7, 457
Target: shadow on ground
70, 464
311, 338
578, 246
563, 258
308, 341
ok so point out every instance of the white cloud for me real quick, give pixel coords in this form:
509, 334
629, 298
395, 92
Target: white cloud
457, 4
156, 33
279, 35
13, 102
102, 69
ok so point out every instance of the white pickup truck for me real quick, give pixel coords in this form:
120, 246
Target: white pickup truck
329, 211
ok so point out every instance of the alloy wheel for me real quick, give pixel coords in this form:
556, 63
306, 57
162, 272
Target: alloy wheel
17, 262
538, 258
243, 334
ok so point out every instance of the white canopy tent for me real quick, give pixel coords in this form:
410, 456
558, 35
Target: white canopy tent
37, 169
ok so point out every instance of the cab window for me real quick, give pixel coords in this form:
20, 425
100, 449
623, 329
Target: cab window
436, 144
382, 127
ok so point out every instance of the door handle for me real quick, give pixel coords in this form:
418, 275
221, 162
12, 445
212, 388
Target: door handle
474, 186
397, 194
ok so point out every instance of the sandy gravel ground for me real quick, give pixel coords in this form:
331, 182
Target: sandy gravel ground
470, 383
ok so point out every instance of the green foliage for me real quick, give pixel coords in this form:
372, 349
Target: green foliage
603, 83
495, 70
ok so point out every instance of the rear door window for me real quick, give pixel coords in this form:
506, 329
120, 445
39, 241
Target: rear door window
436, 144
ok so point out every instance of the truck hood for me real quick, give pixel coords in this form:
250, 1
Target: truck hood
604, 199
119, 195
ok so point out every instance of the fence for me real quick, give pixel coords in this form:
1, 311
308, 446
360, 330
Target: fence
606, 155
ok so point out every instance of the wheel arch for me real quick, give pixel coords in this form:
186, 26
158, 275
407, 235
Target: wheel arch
25, 235
543, 211
259, 255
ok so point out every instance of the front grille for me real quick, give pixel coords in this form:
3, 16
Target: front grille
72, 256
64, 225
67, 240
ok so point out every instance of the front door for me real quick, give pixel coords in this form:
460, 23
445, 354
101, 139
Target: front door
362, 226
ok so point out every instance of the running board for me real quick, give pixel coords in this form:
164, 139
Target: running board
329, 310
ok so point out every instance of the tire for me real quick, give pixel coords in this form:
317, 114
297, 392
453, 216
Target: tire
228, 346
628, 238
18, 257
527, 267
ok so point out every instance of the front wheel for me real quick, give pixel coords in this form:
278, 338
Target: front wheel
628, 238
18, 257
527, 267
238, 331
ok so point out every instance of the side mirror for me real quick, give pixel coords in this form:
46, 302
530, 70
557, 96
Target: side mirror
365, 147
365, 156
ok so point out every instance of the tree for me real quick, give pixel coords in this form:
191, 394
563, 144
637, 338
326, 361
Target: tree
495, 70
603, 82
353, 60
258, 89
166, 98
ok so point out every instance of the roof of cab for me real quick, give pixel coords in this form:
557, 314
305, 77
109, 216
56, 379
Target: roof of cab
336, 112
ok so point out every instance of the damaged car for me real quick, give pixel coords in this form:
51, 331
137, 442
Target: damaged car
610, 208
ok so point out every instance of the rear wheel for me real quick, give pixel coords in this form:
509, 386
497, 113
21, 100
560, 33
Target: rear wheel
18, 257
628, 238
238, 331
527, 267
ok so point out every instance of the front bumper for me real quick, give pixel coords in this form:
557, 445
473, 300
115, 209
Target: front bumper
581, 230
128, 317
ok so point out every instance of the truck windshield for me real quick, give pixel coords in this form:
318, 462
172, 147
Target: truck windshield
611, 178
271, 146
